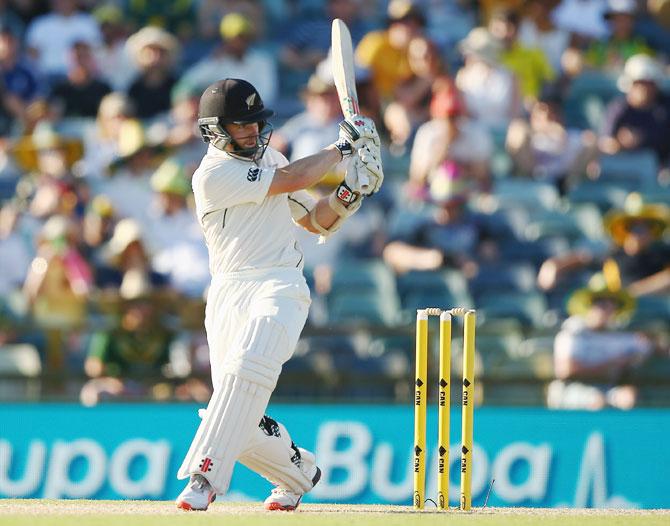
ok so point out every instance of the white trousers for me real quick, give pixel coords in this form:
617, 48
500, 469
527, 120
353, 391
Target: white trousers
253, 323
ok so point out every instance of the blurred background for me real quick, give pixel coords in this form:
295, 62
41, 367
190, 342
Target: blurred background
527, 156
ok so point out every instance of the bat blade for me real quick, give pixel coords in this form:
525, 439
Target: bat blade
345, 77
343, 68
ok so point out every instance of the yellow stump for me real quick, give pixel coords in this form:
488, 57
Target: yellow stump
420, 402
444, 404
468, 408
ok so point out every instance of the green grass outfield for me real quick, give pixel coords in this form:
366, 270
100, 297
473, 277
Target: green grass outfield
144, 513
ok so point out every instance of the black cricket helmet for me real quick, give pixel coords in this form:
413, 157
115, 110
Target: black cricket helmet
233, 101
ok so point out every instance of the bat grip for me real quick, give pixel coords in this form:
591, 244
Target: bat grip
364, 183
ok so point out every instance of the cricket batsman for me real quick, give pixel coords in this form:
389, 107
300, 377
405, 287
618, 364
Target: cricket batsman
246, 196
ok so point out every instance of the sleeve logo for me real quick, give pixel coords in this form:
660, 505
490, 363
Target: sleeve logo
253, 173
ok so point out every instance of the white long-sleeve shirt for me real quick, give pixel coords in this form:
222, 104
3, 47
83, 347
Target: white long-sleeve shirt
245, 229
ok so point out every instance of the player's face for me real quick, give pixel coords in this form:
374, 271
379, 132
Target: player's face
244, 135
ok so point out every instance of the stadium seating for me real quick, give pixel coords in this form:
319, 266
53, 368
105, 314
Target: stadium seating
577, 222
604, 195
359, 307
639, 168
504, 223
361, 275
527, 307
585, 102
534, 252
527, 193
495, 278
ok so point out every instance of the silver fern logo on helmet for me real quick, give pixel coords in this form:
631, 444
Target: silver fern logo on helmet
250, 100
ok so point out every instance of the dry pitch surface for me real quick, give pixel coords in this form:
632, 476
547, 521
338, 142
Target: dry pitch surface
144, 513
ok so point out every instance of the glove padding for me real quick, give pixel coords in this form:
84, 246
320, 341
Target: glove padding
368, 167
345, 200
358, 130
347, 197
355, 132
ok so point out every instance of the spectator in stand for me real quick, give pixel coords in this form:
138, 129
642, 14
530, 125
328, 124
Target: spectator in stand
57, 286
308, 41
543, 148
128, 359
537, 30
16, 248
411, 99
623, 43
235, 57
641, 119
19, 78
49, 183
128, 187
50, 37
643, 259
610, 54
125, 265
102, 142
488, 7
530, 65
308, 132
449, 236
449, 142
448, 22
173, 233
593, 355
385, 53
97, 228
653, 24
210, 12
582, 18
80, 93
490, 90
639, 256
155, 53
19, 85
175, 17
114, 62
179, 130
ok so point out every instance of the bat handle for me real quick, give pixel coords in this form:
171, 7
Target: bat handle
364, 183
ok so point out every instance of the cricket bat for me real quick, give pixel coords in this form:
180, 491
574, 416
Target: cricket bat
345, 78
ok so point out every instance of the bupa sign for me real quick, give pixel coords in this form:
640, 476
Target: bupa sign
537, 457
82, 468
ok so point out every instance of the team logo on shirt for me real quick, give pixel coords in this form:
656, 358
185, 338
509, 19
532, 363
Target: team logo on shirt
252, 174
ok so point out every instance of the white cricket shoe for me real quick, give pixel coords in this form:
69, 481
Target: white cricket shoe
282, 499
197, 495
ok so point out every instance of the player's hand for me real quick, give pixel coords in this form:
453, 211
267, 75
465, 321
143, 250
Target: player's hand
355, 132
347, 197
369, 170
349, 190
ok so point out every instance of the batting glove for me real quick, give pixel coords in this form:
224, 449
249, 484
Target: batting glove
368, 166
354, 133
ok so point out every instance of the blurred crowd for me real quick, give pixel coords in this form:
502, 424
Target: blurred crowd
527, 153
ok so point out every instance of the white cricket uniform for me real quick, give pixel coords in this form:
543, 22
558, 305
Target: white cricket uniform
257, 305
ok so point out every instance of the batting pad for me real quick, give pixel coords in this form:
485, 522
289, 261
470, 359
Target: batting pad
237, 405
272, 454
